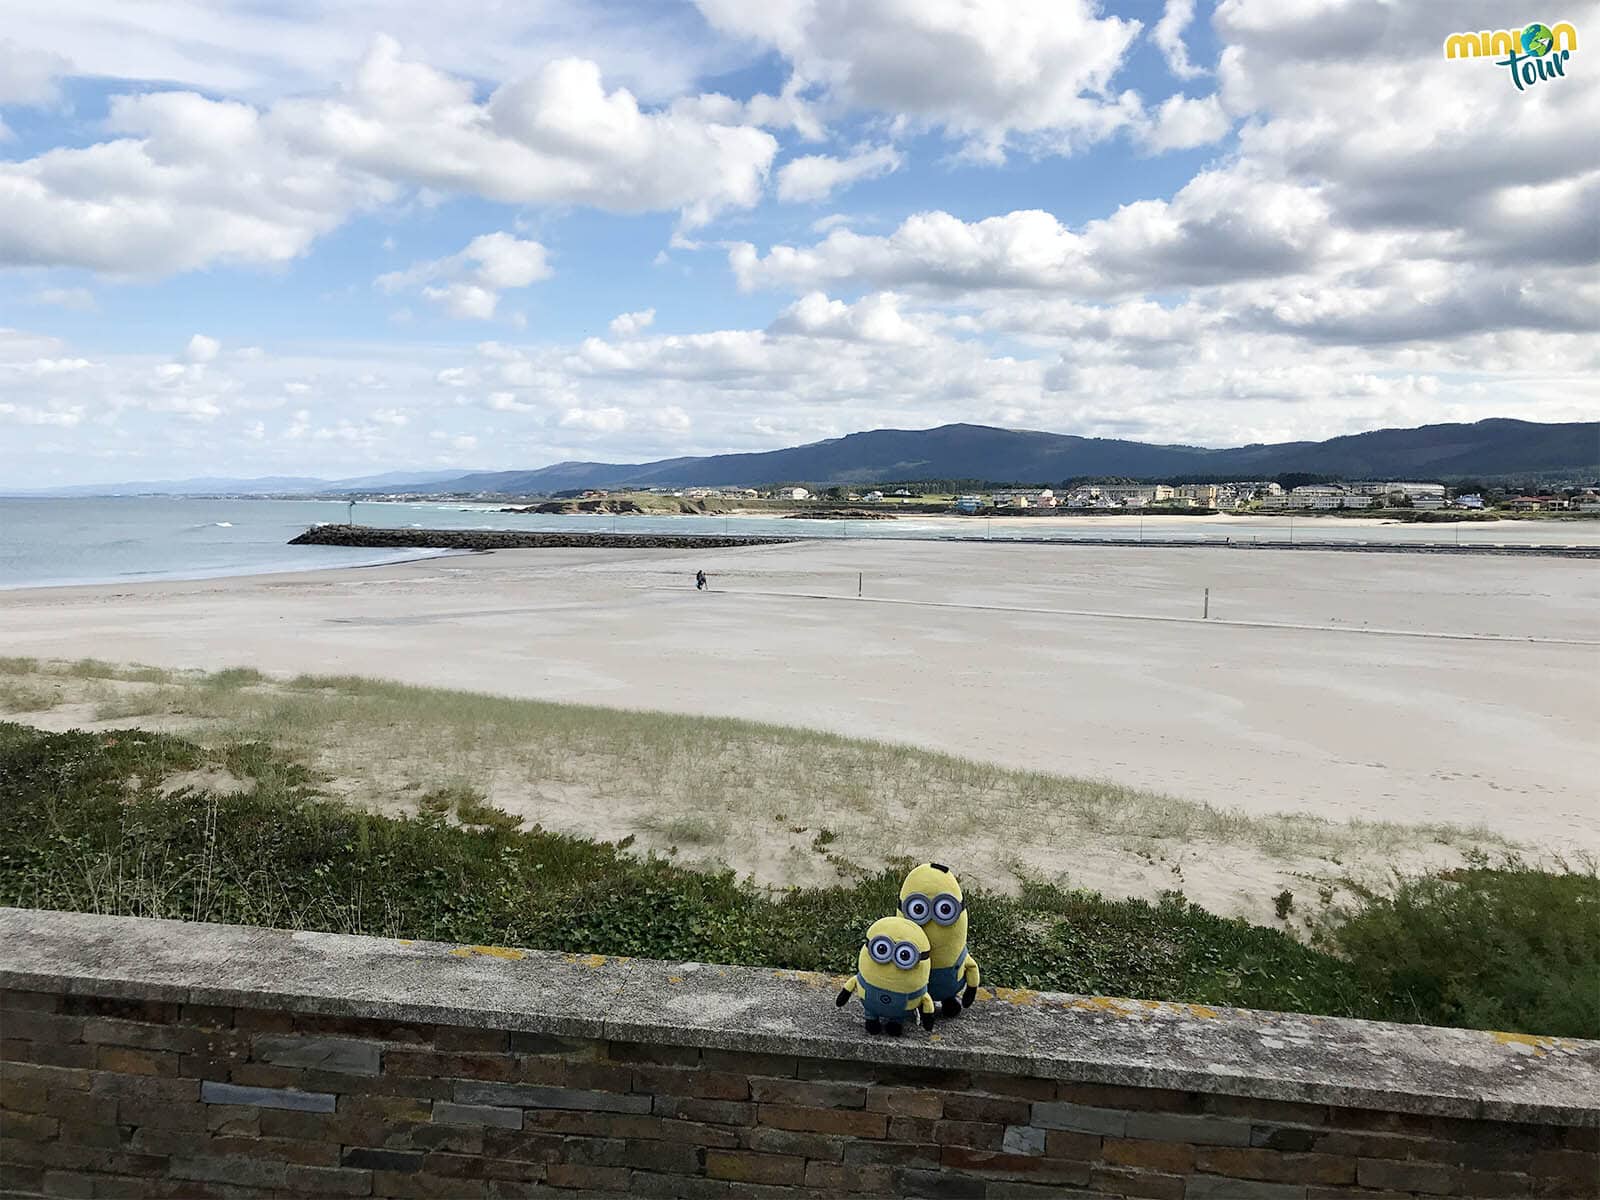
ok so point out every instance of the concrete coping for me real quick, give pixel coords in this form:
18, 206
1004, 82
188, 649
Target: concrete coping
1087, 1039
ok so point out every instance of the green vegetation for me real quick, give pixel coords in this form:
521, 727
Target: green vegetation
1500, 947
749, 795
90, 821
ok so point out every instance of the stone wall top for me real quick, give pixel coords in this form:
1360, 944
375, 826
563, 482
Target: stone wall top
1090, 1039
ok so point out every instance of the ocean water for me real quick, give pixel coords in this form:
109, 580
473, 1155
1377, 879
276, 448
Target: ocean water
127, 539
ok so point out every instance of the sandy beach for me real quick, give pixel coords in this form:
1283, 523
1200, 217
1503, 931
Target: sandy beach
981, 651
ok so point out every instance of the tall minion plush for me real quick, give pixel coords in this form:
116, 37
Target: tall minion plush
891, 976
931, 897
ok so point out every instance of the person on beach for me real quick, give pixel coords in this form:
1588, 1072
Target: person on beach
699, 581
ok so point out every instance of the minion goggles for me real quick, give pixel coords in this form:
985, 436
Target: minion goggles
944, 909
885, 950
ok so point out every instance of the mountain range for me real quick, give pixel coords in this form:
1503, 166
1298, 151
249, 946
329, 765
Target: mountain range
1484, 449
1431, 452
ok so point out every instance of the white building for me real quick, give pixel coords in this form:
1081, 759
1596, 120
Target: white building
1326, 496
793, 493
1412, 491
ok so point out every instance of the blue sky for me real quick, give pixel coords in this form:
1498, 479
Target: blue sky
333, 240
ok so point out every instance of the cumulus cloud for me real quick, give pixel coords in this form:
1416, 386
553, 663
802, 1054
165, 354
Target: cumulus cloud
468, 284
1222, 225
1168, 36
1182, 123
983, 70
874, 318
553, 137
202, 349
629, 324
28, 76
193, 181
816, 177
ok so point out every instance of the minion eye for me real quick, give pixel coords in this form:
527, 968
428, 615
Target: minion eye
905, 956
881, 949
946, 909
916, 908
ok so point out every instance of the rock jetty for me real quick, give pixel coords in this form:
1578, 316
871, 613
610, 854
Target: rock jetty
838, 514
369, 537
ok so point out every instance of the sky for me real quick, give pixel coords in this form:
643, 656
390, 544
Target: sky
249, 239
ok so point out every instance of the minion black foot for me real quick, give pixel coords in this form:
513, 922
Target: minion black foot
968, 997
951, 1006
893, 1028
874, 1025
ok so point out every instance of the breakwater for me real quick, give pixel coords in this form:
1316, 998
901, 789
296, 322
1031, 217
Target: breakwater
368, 537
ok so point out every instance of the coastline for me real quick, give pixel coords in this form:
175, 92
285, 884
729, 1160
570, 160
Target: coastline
391, 558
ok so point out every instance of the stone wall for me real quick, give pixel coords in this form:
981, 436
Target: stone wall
152, 1058
497, 539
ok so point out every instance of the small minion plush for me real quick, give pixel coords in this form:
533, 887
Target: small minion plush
891, 976
931, 898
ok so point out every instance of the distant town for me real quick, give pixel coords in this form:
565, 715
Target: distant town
1240, 497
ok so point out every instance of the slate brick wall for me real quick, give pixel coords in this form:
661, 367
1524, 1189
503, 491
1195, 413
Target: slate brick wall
102, 1097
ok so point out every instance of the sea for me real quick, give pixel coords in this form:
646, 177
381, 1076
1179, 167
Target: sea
55, 542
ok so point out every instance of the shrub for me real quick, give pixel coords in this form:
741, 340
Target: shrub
1506, 947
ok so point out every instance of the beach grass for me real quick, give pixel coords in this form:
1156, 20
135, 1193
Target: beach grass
708, 789
90, 821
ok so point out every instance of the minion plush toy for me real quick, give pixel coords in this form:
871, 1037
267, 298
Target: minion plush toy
931, 897
891, 976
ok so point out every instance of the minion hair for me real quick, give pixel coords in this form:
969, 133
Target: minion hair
940, 867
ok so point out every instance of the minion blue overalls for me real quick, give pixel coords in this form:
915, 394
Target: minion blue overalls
883, 1005
945, 982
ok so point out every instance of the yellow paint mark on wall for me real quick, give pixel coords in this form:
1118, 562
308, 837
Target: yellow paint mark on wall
488, 952
674, 978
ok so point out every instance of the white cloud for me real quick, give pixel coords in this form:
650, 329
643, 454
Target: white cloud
630, 324
983, 70
1221, 226
194, 181
1182, 123
1168, 36
468, 284
553, 137
28, 76
817, 176
874, 318
602, 420
832, 221
263, 51
202, 349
